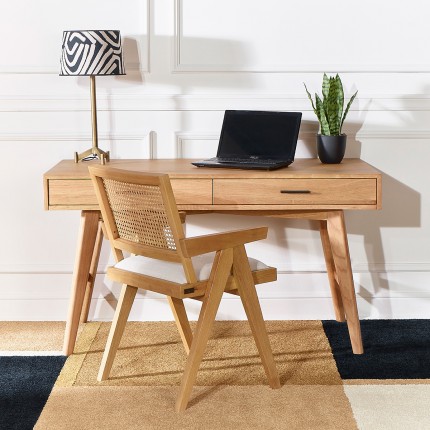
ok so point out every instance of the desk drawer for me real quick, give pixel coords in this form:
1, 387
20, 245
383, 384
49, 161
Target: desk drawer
355, 191
192, 191
71, 192
80, 192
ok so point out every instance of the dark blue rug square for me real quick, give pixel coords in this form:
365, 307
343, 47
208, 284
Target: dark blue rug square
25, 385
393, 349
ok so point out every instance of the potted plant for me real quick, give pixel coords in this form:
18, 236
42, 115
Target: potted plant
331, 142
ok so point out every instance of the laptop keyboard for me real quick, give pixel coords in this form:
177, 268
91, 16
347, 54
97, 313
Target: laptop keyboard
259, 161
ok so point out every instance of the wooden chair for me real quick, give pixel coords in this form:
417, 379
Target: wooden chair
141, 218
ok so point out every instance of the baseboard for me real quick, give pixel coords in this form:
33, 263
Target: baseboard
146, 309
304, 295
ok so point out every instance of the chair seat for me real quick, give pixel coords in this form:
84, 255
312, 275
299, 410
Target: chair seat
174, 272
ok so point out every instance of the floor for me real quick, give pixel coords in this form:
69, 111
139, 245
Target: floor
323, 385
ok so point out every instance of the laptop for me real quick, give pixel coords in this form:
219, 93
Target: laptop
261, 140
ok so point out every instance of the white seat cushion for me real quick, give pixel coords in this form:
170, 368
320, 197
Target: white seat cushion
174, 272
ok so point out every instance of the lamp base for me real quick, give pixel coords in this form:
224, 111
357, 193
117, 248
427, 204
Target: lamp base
91, 154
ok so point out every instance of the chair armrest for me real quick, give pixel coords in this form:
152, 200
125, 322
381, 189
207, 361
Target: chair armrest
215, 242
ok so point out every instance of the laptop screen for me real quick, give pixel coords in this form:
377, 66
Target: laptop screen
259, 134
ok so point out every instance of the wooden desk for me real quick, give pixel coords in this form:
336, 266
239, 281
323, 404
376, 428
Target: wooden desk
307, 189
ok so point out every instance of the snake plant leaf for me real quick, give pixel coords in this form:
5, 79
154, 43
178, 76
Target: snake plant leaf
332, 107
325, 85
310, 98
347, 108
325, 129
340, 101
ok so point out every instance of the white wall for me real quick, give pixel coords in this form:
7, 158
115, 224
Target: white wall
187, 61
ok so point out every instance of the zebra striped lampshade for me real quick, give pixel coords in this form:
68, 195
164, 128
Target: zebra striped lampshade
92, 52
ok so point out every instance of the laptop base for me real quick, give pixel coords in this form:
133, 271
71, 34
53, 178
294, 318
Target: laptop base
245, 166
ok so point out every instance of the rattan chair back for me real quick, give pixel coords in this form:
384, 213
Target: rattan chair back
140, 214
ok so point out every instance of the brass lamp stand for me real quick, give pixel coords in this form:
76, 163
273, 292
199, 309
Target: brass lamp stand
94, 152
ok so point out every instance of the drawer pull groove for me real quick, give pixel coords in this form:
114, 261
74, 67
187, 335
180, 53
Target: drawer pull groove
295, 191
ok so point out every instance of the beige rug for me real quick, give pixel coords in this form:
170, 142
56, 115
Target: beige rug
231, 390
31, 335
212, 408
151, 353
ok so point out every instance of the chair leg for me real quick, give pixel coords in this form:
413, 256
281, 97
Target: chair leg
182, 322
248, 295
216, 285
128, 293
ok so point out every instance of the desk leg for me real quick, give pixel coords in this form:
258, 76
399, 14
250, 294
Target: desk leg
331, 272
339, 246
85, 250
92, 274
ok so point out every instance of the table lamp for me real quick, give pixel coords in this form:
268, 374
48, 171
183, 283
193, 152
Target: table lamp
92, 53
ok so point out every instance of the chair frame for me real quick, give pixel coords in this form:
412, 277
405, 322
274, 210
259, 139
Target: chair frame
230, 273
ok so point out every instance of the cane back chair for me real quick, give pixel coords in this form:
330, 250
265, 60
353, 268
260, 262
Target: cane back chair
141, 218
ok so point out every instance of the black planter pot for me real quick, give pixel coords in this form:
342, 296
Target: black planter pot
331, 149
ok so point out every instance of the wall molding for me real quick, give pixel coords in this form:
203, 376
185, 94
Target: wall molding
180, 67
182, 137
107, 141
210, 102
283, 268
16, 69
307, 133
72, 136
230, 309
